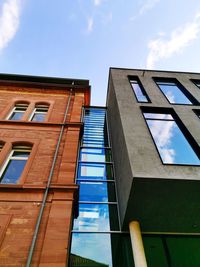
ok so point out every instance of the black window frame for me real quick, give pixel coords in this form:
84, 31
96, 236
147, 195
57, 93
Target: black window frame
132, 77
197, 112
185, 92
192, 142
196, 82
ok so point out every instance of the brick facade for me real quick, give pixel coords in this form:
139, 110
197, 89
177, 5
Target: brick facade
20, 203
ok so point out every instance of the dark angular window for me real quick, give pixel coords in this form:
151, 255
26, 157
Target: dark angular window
197, 112
196, 82
14, 165
175, 92
138, 90
171, 140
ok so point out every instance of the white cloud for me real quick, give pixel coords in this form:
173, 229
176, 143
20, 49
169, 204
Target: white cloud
180, 38
9, 21
90, 23
149, 4
163, 134
97, 2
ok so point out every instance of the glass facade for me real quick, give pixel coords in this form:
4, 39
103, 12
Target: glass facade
95, 235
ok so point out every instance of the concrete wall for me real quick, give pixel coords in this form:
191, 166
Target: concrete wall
135, 154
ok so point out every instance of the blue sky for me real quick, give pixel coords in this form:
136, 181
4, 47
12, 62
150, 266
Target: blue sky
83, 38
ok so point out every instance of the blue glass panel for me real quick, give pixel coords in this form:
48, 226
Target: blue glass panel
97, 191
92, 171
174, 93
171, 143
16, 116
38, 117
91, 250
13, 171
141, 97
95, 154
92, 217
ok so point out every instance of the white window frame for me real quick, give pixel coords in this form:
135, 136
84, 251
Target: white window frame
45, 107
25, 106
11, 157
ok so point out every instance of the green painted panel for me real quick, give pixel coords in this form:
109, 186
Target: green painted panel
155, 252
184, 251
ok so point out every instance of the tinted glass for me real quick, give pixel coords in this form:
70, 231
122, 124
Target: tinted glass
95, 217
13, 171
91, 250
97, 191
140, 95
95, 171
38, 117
96, 155
171, 143
16, 116
173, 93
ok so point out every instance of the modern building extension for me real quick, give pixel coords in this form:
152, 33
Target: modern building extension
155, 132
114, 186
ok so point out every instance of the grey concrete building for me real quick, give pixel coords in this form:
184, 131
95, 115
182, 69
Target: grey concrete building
154, 121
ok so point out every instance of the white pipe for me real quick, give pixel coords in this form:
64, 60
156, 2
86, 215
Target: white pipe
137, 244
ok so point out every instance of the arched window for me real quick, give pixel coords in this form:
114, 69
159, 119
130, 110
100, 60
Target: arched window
18, 111
39, 113
15, 164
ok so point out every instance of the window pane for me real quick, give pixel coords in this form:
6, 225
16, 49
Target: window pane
16, 116
13, 171
95, 217
173, 93
38, 117
97, 191
91, 250
158, 116
171, 143
19, 154
97, 155
140, 95
95, 171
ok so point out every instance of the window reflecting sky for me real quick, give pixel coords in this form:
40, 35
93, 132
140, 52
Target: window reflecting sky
171, 143
96, 247
13, 171
141, 97
173, 93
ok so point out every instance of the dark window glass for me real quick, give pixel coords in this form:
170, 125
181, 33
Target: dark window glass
196, 82
97, 191
95, 217
175, 93
169, 139
197, 112
139, 91
14, 165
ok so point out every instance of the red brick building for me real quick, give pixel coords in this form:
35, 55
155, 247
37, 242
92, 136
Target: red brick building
40, 122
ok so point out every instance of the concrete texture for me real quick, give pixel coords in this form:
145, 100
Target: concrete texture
135, 154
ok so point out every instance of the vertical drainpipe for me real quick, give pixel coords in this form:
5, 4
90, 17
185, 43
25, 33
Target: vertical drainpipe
37, 227
137, 244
